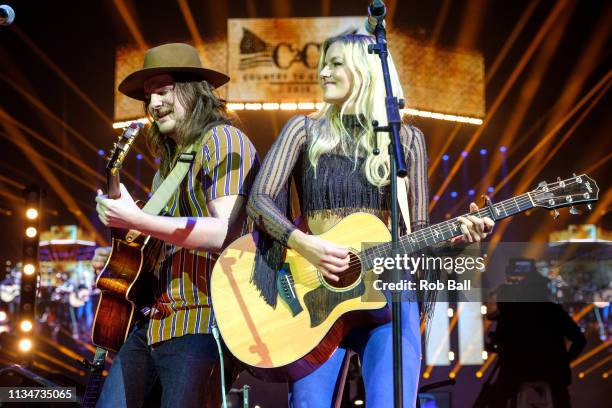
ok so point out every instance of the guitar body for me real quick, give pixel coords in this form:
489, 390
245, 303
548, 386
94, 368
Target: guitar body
123, 287
286, 343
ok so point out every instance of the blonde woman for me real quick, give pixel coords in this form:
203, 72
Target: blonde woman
330, 156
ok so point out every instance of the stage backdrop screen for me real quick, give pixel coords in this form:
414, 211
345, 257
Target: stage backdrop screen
274, 60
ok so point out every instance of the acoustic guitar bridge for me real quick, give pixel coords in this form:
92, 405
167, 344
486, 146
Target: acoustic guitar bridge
286, 289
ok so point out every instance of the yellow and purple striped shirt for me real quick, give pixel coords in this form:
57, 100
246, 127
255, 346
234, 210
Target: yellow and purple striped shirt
182, 277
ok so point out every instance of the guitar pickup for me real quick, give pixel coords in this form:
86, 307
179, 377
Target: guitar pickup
286, 289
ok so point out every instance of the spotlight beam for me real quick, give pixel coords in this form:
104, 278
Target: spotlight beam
595, 366
130, 24
518, 28
526, 97
590, 353
54, 182
192, 27
520, 66
440, 20
71, 84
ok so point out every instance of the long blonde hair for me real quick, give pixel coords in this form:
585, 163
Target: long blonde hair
367, 100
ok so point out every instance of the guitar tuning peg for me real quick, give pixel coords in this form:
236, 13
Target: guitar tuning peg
573, 174
558, 178
555, 214
573, 210
589, 206
542, 184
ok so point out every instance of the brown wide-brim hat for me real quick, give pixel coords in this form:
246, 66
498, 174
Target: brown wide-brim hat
176, 59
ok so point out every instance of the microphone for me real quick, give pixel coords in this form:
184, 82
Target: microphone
7, 15
376, 13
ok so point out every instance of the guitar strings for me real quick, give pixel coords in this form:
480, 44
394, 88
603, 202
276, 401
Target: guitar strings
447, 227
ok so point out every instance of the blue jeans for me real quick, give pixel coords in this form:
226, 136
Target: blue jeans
181, 366
375, 348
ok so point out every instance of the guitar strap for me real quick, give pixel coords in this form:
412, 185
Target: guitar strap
402, 191
402, 200
171, 183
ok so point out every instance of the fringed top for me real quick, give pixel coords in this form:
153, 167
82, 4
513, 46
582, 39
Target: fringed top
339, 188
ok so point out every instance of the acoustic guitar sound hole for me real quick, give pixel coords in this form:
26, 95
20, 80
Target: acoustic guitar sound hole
349, 276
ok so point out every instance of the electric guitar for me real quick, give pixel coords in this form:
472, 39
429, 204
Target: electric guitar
313, 314
123, 288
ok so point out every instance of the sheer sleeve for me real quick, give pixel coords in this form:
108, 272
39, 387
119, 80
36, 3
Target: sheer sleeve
264, 205
416, 180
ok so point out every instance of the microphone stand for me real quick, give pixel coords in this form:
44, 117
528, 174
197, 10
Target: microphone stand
398, 168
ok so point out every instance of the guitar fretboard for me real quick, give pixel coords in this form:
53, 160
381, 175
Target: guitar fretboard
446, 230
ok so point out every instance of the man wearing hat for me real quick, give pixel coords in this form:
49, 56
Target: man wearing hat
175, 348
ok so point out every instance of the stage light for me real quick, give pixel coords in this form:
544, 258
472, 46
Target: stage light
426, 375
503, 149
436, 198
605, 375
581, 375
464, 154
306, 106
454, 194
31, 232
483, 152
478, 374
451, 356
29, 269
471, 193
26, 325
25, 345
490, 189
452, 375
139, 156
3, 316
235, 106
32, 213
445, 157
485, 355
252, 106
288, 106
483, 309
358, 402
450, 312
101, 152
270, 106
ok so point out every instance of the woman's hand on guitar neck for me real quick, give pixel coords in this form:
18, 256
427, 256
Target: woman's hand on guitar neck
329, 258
120, 213
474, 229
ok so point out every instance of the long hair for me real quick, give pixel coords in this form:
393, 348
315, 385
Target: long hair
204, 109
367, 102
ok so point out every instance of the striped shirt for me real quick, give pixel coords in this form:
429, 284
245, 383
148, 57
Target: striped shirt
183, 306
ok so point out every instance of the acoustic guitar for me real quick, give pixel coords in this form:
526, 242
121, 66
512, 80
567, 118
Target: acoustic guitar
124, 287
313, 314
